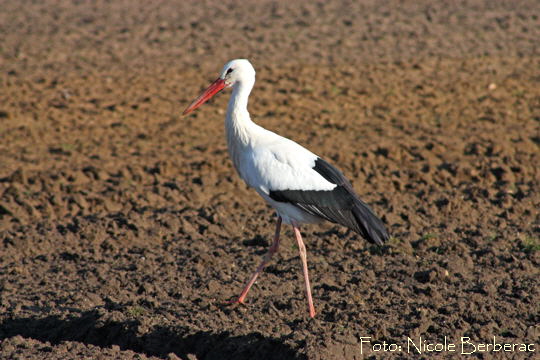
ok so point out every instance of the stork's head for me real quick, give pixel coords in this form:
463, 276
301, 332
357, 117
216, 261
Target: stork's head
235, 71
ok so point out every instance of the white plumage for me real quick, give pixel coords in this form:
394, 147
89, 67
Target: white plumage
302, 187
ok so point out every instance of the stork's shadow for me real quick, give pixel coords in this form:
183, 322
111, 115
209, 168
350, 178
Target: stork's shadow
90, 328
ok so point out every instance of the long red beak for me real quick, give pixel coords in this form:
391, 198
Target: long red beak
212, 90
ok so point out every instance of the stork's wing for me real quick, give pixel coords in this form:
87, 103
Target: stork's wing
340, 205
294, 175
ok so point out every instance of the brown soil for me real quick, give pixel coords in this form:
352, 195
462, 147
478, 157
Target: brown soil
124, 229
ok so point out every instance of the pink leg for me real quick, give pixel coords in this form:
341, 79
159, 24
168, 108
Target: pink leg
271, 251
303, 256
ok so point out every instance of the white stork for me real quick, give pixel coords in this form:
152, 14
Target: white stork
302, 187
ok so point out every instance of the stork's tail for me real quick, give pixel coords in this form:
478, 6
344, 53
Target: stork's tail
369, 225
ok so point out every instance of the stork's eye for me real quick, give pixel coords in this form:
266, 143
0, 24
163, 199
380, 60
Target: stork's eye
229, 71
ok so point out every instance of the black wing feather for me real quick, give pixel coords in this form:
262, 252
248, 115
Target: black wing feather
340, 205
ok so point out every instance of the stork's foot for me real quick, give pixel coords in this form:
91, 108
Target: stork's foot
235, 301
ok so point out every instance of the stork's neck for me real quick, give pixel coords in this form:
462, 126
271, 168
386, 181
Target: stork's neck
238, 123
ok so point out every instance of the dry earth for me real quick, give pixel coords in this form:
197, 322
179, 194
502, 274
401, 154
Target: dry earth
124, 229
